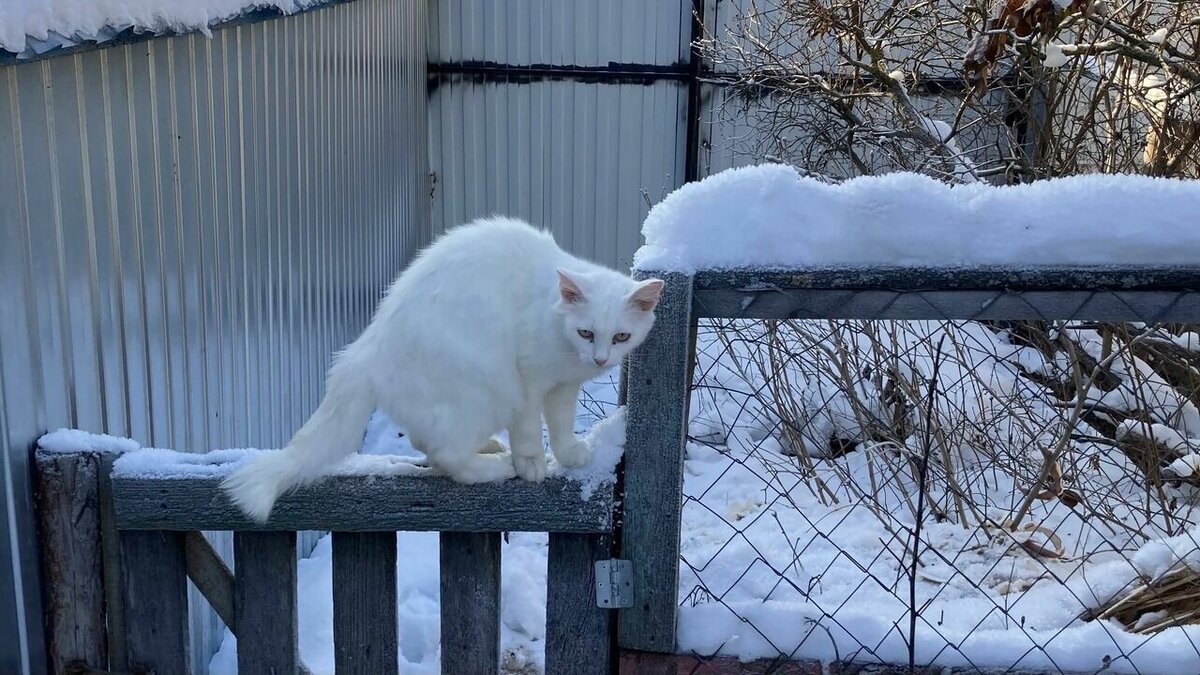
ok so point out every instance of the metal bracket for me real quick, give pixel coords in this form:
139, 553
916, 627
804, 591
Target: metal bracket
614, 583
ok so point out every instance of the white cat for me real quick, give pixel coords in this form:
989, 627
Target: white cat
490, 328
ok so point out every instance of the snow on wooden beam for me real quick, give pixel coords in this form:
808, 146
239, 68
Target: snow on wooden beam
369, 503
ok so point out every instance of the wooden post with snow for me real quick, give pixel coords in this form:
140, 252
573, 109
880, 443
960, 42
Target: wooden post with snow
657, 390
68, 509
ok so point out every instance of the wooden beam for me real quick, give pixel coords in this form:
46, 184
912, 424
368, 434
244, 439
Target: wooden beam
900, 293
212, 577
365, 629
470, 591
369, 503
656, 428
68, 510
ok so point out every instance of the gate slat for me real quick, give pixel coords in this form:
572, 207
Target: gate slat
578, 632
365, 633
154, 589
470, 563
265, 602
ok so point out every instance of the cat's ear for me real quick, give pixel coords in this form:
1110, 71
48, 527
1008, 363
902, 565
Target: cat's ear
645, 296
568, 288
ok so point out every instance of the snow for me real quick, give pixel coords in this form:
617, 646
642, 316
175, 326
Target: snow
40, 25
770, 568
173, 464
1158, 37
1055, 56
392, 456
1158, 557
523, 616
1186, 466
771, 216
76, 440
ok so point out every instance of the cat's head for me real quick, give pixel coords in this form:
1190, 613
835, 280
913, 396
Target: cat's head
605, 315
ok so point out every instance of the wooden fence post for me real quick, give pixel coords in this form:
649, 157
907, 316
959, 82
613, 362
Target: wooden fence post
265, 602
68, 508
657, 390
470, 569
154, 584
365, 632
578, 631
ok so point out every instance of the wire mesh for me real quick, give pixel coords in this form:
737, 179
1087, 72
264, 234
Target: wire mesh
977, 493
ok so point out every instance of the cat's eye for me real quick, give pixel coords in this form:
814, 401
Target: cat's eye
620, 337
586, 334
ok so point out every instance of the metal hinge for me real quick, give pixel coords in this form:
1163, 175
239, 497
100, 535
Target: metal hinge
614, 583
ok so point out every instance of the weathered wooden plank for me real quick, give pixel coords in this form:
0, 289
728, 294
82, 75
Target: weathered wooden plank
578, 632
110, 547
1088, 293
154, 583
1147, 306
212, 577
656, 426
68, 510
365, 632
369, 503
265, 602
979, 277
470, 584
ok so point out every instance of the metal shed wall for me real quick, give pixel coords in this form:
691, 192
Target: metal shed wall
570, 114
189, 227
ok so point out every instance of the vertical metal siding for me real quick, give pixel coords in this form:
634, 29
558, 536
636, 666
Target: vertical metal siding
560, 32
189, 227
583, 158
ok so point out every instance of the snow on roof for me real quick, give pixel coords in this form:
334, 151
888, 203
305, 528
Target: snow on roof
771, 216
30, 27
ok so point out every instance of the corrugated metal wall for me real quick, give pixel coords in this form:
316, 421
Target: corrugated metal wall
584, 154
189, 227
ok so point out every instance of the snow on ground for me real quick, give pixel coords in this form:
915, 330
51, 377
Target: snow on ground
45, 24
770, 215
769, 568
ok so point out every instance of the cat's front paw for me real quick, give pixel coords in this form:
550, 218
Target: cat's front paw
532, 468
573, 454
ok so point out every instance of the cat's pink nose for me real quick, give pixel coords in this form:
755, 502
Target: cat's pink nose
599, 361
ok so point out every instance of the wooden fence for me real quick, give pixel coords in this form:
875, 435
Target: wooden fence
118, 550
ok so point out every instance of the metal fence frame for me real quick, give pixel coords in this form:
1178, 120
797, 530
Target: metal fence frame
658, 378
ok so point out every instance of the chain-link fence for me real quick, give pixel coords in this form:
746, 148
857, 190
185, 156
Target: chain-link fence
982, 494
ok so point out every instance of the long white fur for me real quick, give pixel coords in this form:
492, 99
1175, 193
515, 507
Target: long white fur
482, 332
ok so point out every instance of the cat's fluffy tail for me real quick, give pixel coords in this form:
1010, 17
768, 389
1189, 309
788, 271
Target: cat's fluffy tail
334, 431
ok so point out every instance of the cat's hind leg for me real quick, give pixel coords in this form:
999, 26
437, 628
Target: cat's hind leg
473, 466
472, 461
